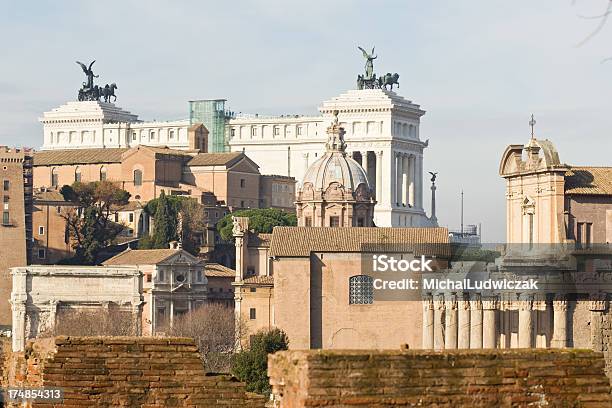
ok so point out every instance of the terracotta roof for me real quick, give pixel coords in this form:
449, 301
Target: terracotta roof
48, 195
261, 280
589, 180
141, 256
218, 270
215, 159
130, 206
260, 240
301, 241
78, 156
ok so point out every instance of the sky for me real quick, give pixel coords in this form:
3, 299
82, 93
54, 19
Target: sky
479, 68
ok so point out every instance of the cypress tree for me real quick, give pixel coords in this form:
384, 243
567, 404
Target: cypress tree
165, 223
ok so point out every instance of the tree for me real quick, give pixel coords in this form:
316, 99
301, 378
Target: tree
189, 222
89, 223
212, 327
165, 223
251, 366
261, 220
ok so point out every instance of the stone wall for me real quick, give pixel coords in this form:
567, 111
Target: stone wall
469, 378
125, 372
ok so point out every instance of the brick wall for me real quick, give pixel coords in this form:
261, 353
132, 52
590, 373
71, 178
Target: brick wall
126, 372
470, 378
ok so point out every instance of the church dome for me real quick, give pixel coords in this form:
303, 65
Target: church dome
336, 167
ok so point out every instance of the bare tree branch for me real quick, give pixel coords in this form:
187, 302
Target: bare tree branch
603, 19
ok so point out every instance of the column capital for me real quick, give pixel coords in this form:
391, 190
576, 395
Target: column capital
464, 298
525, 302
428, 303
439, 302
451, 302
475, 301
489, 303
598, 302
378, 153
560, 303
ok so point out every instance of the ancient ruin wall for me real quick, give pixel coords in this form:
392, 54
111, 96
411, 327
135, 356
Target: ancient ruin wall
130, 372
469, 378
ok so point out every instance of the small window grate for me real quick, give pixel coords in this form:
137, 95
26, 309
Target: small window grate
361, 290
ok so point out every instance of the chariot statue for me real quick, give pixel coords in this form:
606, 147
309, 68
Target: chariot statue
91, 92
369, 80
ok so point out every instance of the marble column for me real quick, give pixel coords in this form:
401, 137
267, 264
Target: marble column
559, 338
463, 321
475, 321
364, 164
405, 179
411, 175
525, 304
450, 332
399, 169
489, 326
379, 173
428, 323
393, 176
439, 322
419, 182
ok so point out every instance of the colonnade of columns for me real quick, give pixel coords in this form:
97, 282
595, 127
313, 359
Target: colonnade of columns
374, 170
461, 321
407, 189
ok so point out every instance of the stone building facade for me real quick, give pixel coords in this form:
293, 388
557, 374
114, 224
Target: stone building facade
41, 293
16, 222
551, 202
174, 283
277, 192
307, 290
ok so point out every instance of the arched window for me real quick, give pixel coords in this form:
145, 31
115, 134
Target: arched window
77, 175
138, 177
54, 177
102, 173
361, 290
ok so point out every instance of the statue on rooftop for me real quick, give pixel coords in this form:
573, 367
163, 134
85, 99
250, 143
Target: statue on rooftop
91, 92
369, 65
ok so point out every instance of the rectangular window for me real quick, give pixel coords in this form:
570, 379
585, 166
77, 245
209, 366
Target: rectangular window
299, 130
252, 313
131, 217
171, 134
6, 185
242, 183
198, 276
276, 131
253, 290
334, 221
360, 222
58, 209
160, 276
6, 203
253, 131
41, 230
5, 218
148, 277
579, 229
54, 180
232, 132
241, 204
42, 254
134, 136
308, 222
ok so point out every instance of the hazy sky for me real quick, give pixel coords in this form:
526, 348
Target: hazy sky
479, 69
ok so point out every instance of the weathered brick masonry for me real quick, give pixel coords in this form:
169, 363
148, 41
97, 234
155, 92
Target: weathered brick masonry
126, 372
469, 378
